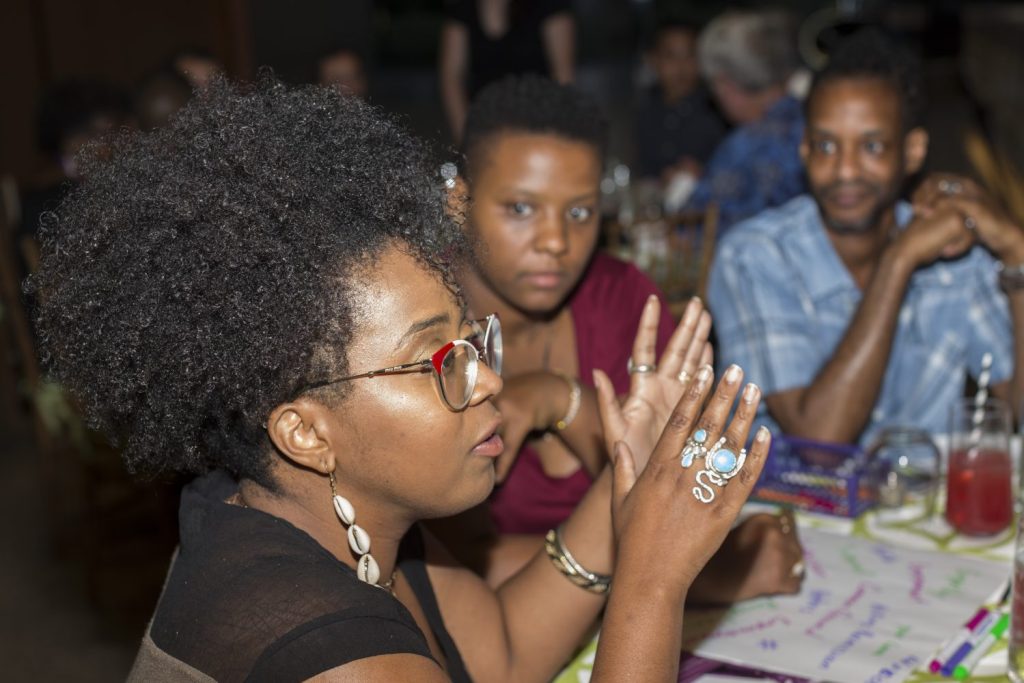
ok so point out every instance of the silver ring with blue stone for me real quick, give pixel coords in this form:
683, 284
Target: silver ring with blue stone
720, 465
694, 447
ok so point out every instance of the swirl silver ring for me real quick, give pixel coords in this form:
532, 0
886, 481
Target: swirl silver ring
970, 223
720, 465
634, 368
683, 376
798, 569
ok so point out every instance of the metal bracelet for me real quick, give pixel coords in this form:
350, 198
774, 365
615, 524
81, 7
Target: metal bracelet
566, 564
575, 399
1012, 277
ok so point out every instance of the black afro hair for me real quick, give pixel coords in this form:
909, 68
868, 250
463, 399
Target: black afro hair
171, 277
532, 104
871, 53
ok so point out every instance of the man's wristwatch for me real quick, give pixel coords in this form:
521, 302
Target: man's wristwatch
1011, 278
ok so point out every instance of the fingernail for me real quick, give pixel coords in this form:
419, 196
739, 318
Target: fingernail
762, 434
750, 393
593, 376
696, 300
732, 375
652, 297
704, 374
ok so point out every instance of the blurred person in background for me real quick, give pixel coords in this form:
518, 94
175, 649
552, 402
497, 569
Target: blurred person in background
850, 293
485, 40
159, 97
344, 71
747, 58
532, 160
71, 115
197, 66
677, 127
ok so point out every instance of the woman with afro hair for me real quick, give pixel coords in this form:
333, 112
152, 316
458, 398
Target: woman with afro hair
261, 294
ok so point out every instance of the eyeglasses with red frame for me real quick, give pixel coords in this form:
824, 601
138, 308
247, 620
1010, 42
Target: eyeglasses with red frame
455, 365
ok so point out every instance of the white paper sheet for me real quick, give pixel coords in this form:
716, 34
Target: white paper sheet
868, 612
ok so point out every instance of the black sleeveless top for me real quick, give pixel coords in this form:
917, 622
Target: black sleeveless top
252, 598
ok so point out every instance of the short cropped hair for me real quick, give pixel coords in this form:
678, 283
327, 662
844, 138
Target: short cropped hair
869, 53
532, 104
205, 273
754, 49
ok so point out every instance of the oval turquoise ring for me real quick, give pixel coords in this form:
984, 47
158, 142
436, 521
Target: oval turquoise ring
724, 462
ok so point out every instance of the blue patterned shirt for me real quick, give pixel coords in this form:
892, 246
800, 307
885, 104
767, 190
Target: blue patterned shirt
756, 167
782, 301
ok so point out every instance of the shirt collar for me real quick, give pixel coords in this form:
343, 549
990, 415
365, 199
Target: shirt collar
827, 274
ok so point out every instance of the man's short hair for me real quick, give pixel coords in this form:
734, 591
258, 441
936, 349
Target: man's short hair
871, 54
754, 49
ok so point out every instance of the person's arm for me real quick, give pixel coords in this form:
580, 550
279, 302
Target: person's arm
529, 627
1005, 240
559, 36
853, 376
454, 67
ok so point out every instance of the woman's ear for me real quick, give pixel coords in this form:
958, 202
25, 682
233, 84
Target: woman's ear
457, 202
299, 430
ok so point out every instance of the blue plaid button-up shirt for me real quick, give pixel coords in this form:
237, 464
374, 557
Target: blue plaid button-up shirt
782, 301
756, 167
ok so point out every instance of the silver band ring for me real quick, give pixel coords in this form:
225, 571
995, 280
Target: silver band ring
798, 569
970, 223
634, 368
950, 186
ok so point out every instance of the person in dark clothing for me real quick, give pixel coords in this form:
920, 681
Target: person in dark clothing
483, 41
677, 126
262, 294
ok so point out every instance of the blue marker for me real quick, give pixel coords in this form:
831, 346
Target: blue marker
977, 635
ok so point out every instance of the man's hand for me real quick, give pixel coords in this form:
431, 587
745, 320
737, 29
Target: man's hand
762, 556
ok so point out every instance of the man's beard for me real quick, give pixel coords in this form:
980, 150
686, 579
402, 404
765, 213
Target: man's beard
885, 199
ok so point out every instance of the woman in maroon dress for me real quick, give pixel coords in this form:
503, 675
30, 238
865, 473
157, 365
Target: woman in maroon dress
533, 154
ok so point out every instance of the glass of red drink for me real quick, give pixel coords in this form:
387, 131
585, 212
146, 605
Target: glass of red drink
979, 482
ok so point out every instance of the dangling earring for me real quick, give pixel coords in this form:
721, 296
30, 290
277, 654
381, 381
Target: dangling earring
366, 567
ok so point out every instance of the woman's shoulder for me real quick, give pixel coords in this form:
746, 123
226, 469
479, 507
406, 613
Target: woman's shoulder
249, 592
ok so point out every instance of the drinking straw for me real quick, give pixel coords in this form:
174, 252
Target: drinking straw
981, 396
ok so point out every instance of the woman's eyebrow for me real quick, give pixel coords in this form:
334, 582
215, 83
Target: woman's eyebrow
425, 324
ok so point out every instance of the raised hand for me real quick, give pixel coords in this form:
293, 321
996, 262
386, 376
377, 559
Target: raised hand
680, 514
656, 385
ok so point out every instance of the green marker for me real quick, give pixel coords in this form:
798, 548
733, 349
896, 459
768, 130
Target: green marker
964, 668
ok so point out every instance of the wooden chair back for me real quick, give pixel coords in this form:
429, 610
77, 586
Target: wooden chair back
675, 251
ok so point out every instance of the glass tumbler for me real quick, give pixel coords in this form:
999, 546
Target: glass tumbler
903, 465
1016, 650
979, 483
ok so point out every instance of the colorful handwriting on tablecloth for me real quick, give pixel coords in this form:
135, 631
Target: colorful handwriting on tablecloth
917, 583
904, 664
815, 599
954, 583
866, 629
841, 611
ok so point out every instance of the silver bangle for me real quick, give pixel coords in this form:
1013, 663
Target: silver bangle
1011, 278
575, 399
566, 564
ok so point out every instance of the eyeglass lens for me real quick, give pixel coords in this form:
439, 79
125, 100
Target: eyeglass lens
459, 369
